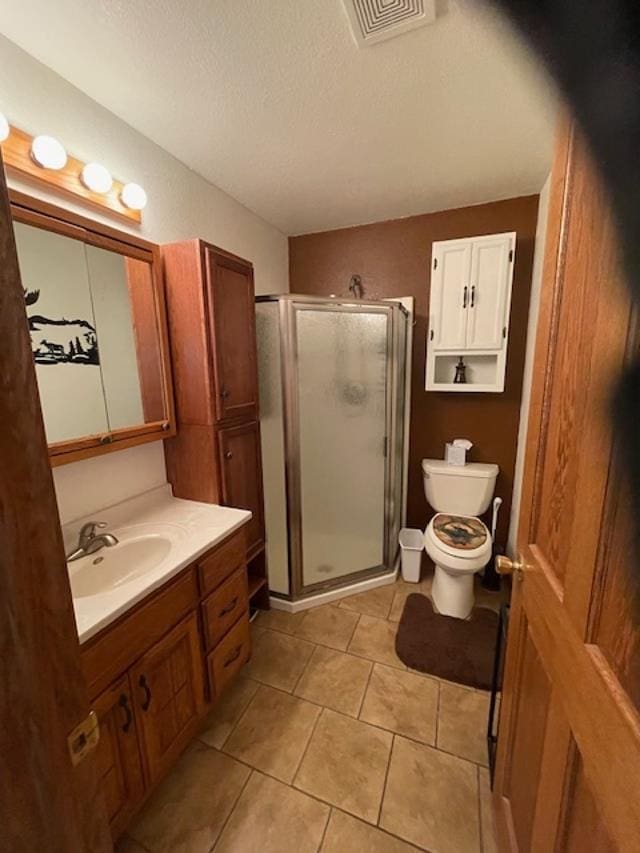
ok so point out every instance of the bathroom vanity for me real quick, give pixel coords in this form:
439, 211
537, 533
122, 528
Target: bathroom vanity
159, 644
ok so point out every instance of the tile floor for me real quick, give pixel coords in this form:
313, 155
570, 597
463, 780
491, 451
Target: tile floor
327, 742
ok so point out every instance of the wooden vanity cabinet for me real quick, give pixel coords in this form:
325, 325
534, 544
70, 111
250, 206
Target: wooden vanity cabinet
155, 672
169, 690
215, 456
117, 754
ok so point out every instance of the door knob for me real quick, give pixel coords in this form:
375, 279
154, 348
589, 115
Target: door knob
505, 566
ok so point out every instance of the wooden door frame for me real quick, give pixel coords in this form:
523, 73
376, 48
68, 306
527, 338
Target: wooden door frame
46, 803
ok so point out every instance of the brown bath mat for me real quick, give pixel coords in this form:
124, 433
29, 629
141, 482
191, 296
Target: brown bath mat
455, 649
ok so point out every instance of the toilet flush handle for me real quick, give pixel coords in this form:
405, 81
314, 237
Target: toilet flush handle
506, 566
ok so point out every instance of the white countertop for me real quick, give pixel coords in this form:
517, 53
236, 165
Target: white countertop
191, 527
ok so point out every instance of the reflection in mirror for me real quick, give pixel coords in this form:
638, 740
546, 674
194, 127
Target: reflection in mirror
63, 333
93, 321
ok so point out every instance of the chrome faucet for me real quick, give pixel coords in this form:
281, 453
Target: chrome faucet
89, 541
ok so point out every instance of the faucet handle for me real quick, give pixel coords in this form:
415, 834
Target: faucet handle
88, 530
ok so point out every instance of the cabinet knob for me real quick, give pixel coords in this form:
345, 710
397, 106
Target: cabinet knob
147, 693
228, 455
224, 393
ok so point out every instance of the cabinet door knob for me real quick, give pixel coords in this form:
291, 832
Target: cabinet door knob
473, 295
123, 701
147, 693
228, 455
224, 393
465, 293
233, 656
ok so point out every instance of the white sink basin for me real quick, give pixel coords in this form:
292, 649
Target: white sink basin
141, 549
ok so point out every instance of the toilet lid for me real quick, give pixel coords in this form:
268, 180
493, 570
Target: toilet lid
460, 535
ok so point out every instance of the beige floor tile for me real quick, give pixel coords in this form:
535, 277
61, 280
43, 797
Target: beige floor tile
373, 602
346, 834
345, 764
228, 711
486, 598
400, 599
431, 799
273, 732
278, 659
375, 639
280, 620
489, 844
335, 680
402, 702
188, 810
462, 722
328, 625
271, 817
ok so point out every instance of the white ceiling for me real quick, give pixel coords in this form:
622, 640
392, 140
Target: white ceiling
272, 101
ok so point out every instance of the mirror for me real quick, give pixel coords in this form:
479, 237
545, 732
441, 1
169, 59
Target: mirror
96, 323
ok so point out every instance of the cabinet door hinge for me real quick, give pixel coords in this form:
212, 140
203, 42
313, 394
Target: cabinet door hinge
84, 738
510, 256
435, 263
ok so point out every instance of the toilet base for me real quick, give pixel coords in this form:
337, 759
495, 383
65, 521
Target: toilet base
453, 594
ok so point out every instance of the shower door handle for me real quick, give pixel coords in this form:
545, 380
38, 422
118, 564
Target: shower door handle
385, 446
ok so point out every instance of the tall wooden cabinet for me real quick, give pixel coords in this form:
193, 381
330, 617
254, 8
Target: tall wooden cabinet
216, 455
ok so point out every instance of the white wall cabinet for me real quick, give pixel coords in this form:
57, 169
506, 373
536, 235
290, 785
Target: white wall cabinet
469, 308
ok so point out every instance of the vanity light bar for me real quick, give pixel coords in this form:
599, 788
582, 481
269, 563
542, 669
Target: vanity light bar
45, 160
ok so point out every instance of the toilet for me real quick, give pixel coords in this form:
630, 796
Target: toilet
457, 541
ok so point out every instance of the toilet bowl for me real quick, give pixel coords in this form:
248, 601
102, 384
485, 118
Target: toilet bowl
459, 546
457, 541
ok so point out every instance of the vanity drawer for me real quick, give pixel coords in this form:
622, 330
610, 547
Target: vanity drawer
110, 653
224, 607
229, 657
225, 559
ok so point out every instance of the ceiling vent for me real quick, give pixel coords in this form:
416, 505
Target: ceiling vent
373, 21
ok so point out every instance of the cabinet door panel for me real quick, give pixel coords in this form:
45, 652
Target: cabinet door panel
118, 755
241, 466
232, 307
450, 295
168, 685
488, 297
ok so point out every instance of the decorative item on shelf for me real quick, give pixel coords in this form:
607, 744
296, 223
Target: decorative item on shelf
355, 286
461, 373
44, 159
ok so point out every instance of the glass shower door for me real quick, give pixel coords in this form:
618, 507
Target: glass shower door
342, 401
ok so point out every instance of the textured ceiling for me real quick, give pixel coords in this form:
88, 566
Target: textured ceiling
272, 101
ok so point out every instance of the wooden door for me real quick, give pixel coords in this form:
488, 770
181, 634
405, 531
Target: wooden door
232, 319
241, 469
568, 763
46, 803
490, 291
449, 299
169, 689
118, 755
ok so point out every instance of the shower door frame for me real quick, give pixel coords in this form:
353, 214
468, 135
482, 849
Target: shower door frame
288, 306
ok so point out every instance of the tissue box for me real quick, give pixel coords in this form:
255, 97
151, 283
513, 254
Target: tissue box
455, 455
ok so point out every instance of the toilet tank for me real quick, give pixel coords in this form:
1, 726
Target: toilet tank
459, 489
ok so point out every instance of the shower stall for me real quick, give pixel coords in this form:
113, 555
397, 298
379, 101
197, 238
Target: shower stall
333, 399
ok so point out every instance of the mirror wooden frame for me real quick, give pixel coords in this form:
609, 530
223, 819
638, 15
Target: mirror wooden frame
49, 217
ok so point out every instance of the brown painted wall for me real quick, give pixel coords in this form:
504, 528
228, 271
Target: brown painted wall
394, 259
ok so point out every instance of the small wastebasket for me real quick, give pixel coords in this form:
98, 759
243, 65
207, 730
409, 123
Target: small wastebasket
411, 545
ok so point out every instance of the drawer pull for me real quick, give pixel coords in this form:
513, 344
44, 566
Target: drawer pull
234, 656
147, 698
224, 393
228, 455
123, 701
231, 606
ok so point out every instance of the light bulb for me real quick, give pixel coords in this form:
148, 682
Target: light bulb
96, 178
5, 128
48, 153
133, 196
